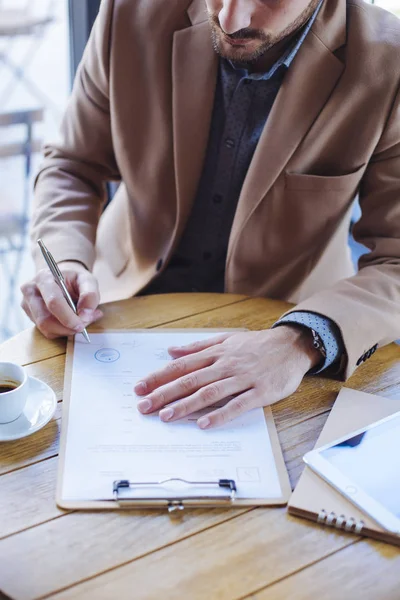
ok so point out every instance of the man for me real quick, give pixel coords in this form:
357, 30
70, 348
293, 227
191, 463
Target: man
241, 131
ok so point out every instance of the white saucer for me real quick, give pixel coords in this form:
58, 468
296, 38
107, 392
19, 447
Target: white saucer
39, 409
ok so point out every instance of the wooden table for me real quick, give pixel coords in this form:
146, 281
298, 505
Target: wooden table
212, 554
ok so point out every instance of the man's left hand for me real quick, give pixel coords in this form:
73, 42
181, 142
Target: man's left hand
253, 369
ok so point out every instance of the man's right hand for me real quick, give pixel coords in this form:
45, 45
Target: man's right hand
45, 305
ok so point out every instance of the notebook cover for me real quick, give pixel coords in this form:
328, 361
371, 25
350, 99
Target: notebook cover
352, 410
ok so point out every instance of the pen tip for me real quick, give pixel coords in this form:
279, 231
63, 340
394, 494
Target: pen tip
86, 336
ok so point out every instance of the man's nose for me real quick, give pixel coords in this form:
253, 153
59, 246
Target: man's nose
235, 15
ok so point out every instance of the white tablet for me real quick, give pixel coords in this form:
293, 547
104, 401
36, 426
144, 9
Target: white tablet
365, 467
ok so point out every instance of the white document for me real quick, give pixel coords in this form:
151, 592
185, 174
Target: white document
108, 439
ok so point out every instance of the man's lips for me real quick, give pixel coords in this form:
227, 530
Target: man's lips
238, 42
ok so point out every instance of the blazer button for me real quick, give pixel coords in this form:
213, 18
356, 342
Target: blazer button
159, 264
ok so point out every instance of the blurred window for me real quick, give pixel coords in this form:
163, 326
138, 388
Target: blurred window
34, 88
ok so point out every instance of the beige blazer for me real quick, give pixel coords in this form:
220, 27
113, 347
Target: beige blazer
140, 112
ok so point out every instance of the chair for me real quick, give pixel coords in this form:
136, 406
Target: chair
14, 222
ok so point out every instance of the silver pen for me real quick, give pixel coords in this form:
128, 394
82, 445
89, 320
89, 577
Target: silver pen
59, 279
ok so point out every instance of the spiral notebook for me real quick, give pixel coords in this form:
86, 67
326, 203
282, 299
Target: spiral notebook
313, 497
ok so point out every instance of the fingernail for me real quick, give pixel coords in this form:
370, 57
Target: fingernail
204, 422
167, 414
87, 315
141, 387
144, 406
98, 315
79, 328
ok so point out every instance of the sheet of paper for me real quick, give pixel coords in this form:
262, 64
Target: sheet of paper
108, 439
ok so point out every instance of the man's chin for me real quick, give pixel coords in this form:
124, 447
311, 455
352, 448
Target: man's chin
241, 53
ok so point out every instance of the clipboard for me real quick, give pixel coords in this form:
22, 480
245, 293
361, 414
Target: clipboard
179, 492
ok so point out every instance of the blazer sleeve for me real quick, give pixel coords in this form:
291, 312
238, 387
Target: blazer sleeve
366, 307
70, 189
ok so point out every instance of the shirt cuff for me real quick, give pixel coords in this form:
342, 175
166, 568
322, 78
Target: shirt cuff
327, 331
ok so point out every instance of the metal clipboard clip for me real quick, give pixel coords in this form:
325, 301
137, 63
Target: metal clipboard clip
175, 501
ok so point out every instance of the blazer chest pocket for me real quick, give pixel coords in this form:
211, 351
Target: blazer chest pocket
347, 183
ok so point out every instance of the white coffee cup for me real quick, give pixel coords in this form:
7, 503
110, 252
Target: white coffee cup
12, 403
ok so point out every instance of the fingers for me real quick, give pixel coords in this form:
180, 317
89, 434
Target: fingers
89, 296
38, 312
203, 398
233, 409
173, 371
176, 352
191, 357
181, 388
25, 307
56, 303
45, 305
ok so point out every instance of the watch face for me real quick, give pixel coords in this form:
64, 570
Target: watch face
317, 342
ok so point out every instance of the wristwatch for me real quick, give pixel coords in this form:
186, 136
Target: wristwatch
318, 343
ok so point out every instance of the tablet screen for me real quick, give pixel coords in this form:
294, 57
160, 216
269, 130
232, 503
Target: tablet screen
372, 461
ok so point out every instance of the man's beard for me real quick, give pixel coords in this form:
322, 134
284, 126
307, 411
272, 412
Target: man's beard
266, 40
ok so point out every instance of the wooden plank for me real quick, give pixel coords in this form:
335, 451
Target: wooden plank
39, 446
380, 372
30, 346
156, 311
367, 570
225, 562
296, 441
254, 314
311, 399
63, 536
51, 371
80, 545
31, 495
41, 506
146, 311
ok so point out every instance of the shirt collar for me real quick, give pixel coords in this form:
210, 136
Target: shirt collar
286, 59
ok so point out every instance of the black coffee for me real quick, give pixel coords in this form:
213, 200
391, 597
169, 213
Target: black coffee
9, 386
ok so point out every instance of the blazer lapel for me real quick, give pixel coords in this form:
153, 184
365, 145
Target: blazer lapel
194, 72
307, 87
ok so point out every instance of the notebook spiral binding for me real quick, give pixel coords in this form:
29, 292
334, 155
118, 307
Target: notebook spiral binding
340, 522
